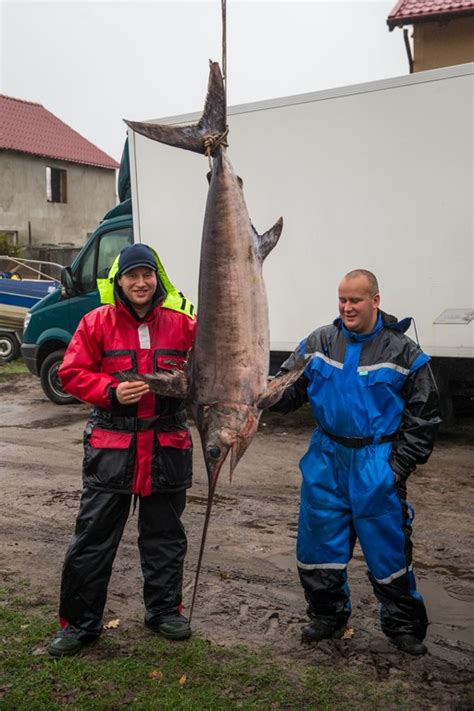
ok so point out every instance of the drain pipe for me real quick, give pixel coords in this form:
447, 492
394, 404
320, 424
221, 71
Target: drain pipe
408, 49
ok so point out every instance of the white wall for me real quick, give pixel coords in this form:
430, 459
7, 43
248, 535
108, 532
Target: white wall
377, 176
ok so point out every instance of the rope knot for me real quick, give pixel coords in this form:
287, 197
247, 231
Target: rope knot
214, 140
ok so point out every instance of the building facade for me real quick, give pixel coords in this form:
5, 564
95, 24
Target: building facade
55, 185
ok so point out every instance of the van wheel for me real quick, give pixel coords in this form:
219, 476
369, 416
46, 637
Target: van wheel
50, 380
9, 347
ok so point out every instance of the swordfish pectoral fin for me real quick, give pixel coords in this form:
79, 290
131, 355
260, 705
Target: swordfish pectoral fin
268, 240
192, 137
167, 384
277, 386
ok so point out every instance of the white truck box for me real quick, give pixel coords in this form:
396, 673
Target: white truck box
376, 176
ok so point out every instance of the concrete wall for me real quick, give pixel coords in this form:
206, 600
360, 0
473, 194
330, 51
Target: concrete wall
437, 44
91, 192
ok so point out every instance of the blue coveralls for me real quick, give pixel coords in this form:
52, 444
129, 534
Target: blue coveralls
350, 493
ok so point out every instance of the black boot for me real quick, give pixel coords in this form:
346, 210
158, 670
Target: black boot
318, 630
410, 644
172, 626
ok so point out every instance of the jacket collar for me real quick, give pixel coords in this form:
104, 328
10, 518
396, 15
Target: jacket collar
384, 320
125, 307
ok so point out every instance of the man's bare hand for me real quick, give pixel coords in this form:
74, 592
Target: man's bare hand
130, 393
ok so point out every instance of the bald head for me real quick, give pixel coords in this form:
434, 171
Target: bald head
372, 283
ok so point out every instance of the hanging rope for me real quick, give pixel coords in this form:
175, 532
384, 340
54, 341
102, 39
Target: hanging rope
224, 51
219, 139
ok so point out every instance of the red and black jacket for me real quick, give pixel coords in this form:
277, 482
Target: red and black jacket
144, 448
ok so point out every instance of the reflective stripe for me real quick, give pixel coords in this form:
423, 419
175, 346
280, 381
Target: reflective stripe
327, 360
398, 574
144, 335
378, 366
314, 566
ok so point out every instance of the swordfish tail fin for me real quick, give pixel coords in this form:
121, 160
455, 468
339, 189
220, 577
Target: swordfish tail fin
194, 137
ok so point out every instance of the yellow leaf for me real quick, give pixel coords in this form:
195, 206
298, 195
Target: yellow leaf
23, 627
348, 633
182, 680
156, 674
112, 625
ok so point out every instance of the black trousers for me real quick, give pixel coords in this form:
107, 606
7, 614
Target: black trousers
90, 556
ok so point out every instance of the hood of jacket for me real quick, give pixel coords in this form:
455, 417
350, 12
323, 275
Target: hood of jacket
167, 295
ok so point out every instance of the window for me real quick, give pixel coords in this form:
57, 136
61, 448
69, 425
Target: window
56, 184
85, 276
111, 244
98, 259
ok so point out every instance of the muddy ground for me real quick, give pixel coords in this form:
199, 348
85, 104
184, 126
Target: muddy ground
249, 590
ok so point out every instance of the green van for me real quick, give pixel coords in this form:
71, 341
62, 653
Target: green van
49, 325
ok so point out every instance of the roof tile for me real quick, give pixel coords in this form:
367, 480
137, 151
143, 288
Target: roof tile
407, 12
28, 127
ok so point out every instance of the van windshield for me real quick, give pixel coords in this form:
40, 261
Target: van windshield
96, 262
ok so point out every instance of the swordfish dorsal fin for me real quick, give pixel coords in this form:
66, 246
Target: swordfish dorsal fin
268, 240
192, 137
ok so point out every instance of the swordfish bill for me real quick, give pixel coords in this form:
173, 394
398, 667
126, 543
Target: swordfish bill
227, 377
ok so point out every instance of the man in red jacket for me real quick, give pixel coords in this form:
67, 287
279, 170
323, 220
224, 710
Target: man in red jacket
135, 444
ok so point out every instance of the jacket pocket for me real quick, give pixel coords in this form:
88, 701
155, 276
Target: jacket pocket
384, 377
109, 458
110, 439
176, 440
173, 461
116, 364
171, 361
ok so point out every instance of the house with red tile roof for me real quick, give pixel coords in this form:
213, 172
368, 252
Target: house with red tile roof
443, 31
55, 185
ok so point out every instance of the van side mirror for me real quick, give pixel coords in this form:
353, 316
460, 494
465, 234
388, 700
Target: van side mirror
67, 283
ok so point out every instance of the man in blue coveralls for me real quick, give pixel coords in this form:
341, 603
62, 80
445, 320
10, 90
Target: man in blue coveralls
376, 405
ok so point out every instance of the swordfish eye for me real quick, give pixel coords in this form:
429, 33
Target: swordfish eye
214, 452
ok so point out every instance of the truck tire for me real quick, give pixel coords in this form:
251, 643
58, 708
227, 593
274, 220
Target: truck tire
9, 347
50, 381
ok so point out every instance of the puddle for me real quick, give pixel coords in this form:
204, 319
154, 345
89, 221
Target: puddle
450, 610
450, 606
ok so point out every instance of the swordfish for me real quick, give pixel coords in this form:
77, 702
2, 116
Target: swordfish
226, 379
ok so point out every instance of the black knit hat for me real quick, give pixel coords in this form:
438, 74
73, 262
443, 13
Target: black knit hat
137, 255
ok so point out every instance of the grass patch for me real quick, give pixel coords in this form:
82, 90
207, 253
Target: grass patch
115, 672
15, 367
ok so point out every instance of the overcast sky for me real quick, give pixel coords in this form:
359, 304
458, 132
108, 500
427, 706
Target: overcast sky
93, 63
